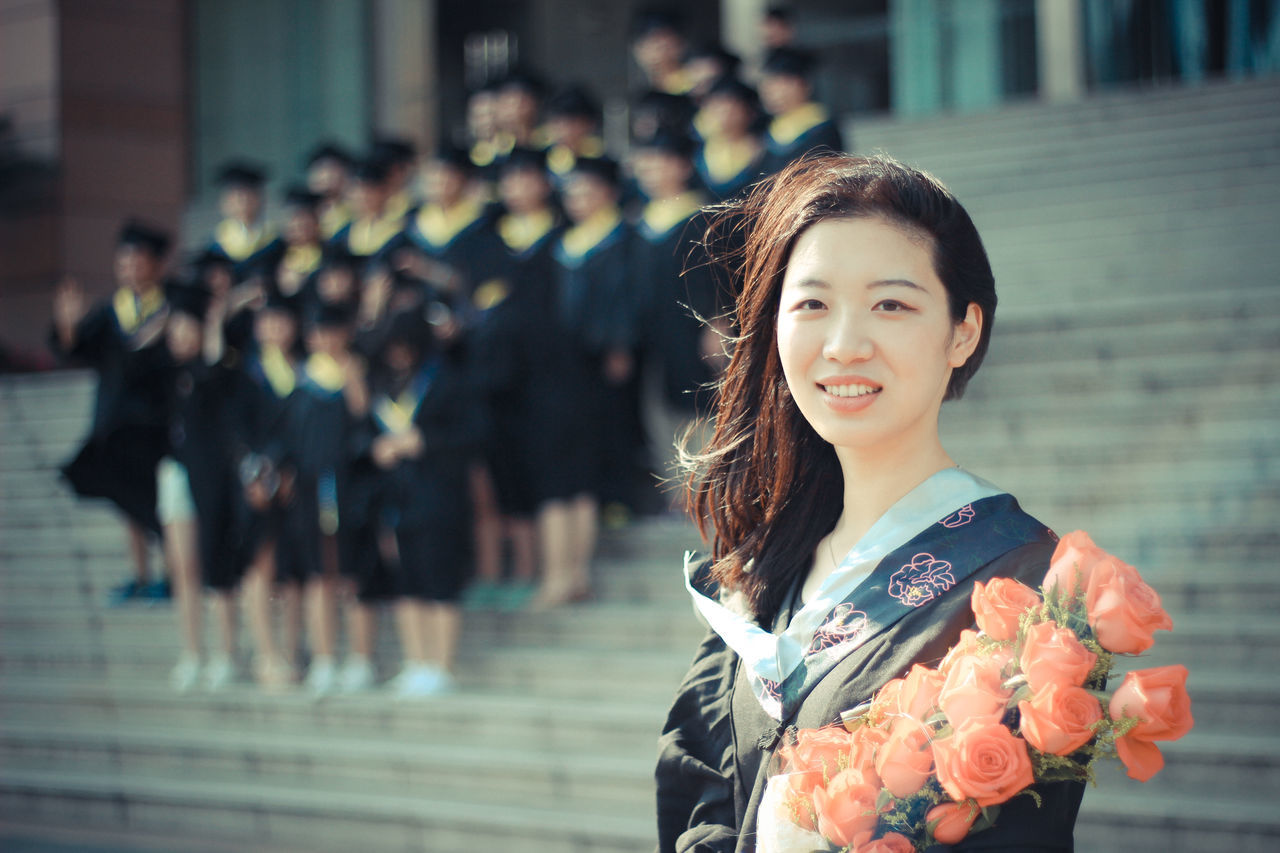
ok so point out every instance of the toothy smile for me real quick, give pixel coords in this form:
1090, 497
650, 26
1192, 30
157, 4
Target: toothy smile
850, 390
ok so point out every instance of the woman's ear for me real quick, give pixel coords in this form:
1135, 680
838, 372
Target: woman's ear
965, 336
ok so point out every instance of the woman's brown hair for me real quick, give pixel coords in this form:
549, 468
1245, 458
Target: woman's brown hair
767, 485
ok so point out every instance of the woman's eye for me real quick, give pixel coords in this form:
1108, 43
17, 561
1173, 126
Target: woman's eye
810, 305
891, 306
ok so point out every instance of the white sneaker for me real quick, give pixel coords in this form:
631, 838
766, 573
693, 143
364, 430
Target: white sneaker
219, 673
357, 675
185, 673
322, 676
422, 680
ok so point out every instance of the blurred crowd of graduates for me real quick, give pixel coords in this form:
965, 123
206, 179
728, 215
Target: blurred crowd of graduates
433, 377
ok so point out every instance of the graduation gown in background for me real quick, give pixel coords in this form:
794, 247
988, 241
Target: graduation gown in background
369, 240
266, 421
718, 746
726, 170
426, 500
203, 402
671, 271
794, 134
252, 251
123, 342
590, 309
462, 241
508, 338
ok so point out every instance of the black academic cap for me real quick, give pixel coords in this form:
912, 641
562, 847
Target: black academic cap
300, 196
572, 102
409, 328
778, 13
185, 297
715, 50
654, 19
331, 315
668, 141
532, 159
601, 168
143, 236
370, 170
732, 87
338, 255
453, 155
330, 151
242, 174
525, 81
790, 62
277, 301
396, 150
204, 260
668, 110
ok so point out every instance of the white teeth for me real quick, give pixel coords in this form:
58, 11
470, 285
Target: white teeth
849, 390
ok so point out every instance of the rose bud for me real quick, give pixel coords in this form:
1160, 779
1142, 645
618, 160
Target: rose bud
845, 808
984, 762
1158, 698
954, 820
905, 762
974, 691
891, 842
1053, 655
918, 696
1123, 610
1060, 720
998, 606
1072, 563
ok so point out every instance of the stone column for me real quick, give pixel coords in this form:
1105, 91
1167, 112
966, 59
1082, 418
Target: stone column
740, 29
404, 69
1060, 49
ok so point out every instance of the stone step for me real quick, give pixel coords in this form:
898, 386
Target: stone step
601, 724
638, 675
329, 761
324, 821
1128, 819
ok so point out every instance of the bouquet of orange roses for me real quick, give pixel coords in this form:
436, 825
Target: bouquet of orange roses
1020, 701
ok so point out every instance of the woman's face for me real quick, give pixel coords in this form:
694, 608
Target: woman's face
865, 334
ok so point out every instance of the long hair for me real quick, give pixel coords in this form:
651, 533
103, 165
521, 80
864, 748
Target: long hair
767, 485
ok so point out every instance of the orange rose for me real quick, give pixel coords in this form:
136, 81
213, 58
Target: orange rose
864, 742
892, 842
846, 807
918, 695
825, 750
1053, 655
905, 762
885, 702
983, 761
1060, 719
999, 604
974, 691
1072, 564
966, 646
1123, 610
1158, 698
954, 820
797, 795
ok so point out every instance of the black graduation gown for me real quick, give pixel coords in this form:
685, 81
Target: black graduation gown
673, 273
579, 421
733, 186
473, 254
129, 435
717, 748
260, 260
201, 437
778, 152
508, 338
265, 424
426, 500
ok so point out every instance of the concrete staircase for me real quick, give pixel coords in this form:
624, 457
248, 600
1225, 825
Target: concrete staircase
1131, 390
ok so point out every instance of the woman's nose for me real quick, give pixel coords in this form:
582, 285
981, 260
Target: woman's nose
848, 340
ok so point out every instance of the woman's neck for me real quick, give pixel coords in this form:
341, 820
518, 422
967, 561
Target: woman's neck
874, 482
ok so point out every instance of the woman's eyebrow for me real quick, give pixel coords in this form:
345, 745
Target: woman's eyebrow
895, 282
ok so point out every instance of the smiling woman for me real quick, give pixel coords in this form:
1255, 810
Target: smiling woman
845, 541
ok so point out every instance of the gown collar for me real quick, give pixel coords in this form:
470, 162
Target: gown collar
772, 657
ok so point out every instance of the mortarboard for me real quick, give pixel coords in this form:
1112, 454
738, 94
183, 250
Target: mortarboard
789, 62
300, 196
242, 174
330, 151
573, 102
601, 168
184, 297
531, 159
143, 236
